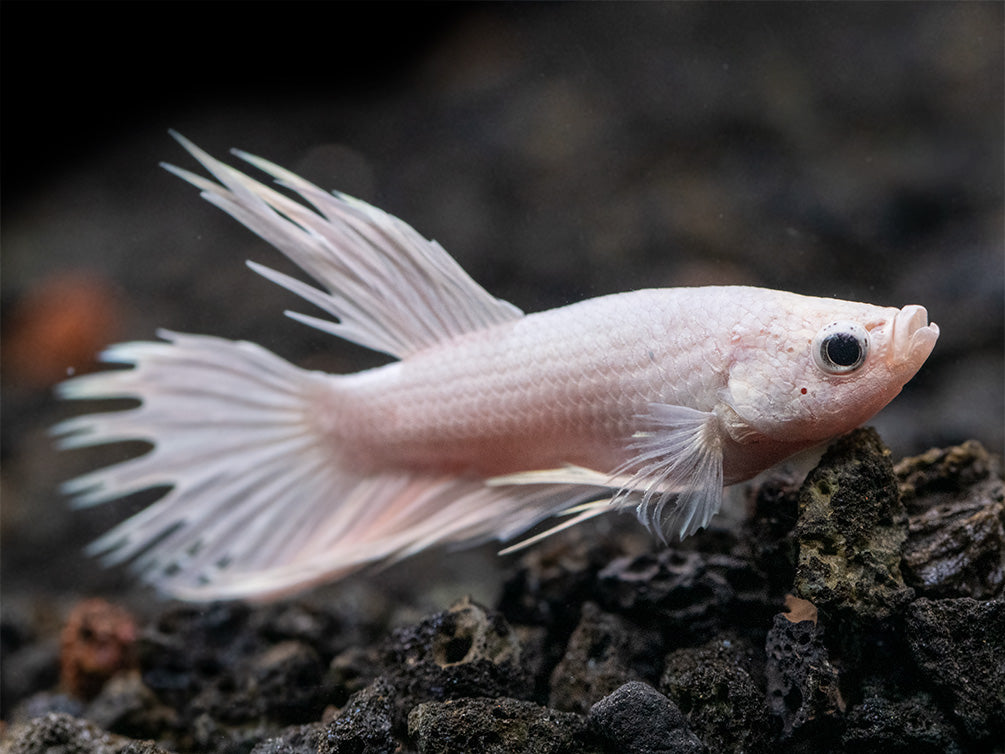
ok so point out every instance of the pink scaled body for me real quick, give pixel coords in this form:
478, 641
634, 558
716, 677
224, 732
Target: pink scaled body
490, 421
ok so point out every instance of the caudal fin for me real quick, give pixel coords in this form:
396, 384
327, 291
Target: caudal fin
233, 436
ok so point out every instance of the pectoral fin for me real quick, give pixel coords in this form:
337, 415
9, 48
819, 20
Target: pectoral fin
676, 467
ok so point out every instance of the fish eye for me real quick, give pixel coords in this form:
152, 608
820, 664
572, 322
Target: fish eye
841, 347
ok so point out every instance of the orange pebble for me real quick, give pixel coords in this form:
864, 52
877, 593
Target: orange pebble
96, 642
58, 325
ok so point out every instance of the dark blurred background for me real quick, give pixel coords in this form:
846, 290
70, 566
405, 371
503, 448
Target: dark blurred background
559, 151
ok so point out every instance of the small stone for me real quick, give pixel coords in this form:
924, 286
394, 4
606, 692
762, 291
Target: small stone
61, 734
637, 718
467, 650
713, 686
364, 724
188, 650
282, 684
287, 678
96, 643
913, 726
126, 706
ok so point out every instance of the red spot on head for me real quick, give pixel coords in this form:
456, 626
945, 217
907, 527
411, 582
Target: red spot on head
802, 390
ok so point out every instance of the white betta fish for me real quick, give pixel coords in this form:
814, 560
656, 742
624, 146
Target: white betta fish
489, 421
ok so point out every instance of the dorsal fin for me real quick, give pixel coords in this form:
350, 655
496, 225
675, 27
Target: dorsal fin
389, 288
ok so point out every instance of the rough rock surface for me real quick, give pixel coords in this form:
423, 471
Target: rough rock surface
639, 719
496, 726
364, 724
885, 721
466, 651
956, 500
662, 586
715, 687
959, 647
852, 526
803, 686
62, 734
598, 659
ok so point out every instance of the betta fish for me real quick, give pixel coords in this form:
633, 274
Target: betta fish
488, 420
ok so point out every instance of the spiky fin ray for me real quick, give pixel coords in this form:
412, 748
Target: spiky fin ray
389, 288
677, 482
406, 516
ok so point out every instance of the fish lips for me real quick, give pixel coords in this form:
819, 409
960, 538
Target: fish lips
912, 338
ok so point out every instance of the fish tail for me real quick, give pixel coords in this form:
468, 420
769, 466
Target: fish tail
235, 439
261, 501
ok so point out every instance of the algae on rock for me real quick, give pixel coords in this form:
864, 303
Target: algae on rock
851, 528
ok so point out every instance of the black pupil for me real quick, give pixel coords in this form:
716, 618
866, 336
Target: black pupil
842, 349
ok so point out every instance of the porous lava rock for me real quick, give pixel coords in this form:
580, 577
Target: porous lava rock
803, 686
467, 650
496, 726
959, 647
715, 686
598, 659
62, 734
956, 529
851, 528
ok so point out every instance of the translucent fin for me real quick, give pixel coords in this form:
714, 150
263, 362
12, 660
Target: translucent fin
577, 515
259, 504
387, 287
397, 516
236, 436
677, 470
569, 474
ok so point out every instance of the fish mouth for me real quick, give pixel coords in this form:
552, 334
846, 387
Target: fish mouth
913, 337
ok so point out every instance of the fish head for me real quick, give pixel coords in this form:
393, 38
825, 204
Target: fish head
808, 369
